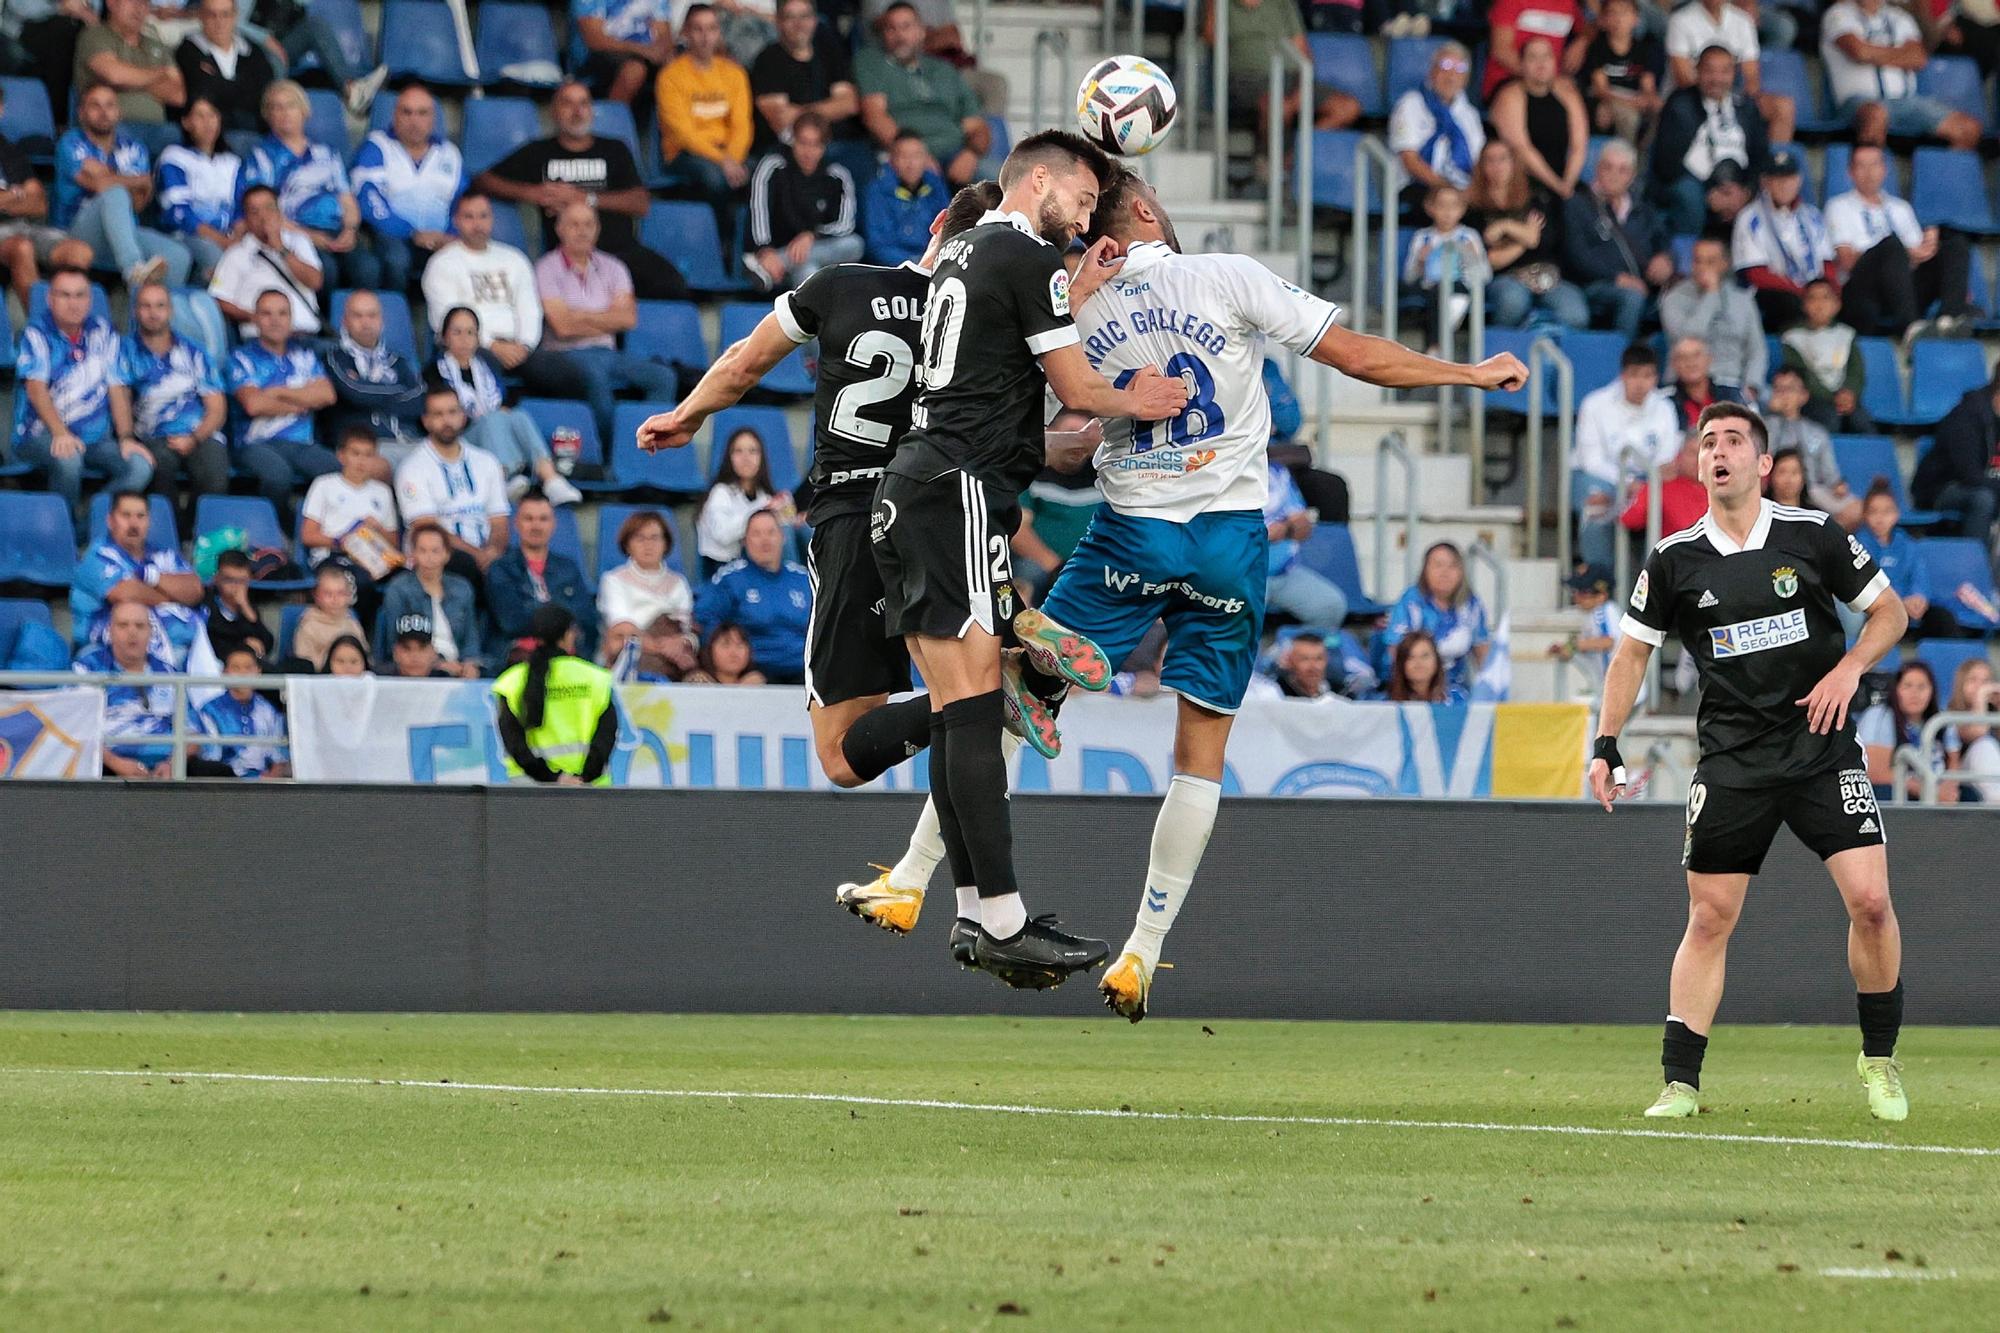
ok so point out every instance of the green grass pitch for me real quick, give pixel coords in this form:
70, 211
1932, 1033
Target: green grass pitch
161, 1201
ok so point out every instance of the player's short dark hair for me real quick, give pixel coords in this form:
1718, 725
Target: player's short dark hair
970, 204
1116, 190
1055, 149
1738, 412
355, 431
1638, 354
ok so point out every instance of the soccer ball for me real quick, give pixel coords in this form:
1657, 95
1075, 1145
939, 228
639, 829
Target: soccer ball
1126, 105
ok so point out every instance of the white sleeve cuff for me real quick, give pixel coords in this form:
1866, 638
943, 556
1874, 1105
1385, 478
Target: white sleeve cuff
1634, 628
782, 308
1864, 599
1041, 344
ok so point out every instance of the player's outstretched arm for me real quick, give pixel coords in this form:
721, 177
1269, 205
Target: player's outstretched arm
1148, 396
1621, 689
734, 374
1389, 364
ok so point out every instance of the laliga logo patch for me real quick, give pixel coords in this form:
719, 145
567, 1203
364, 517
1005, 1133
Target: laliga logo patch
1198, 460
1785, 581
1639, 592
1059, 291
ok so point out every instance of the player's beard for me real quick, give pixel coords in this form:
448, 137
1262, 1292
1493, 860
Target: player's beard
1054, 223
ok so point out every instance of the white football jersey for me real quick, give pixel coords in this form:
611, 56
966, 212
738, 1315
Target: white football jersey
1205, 319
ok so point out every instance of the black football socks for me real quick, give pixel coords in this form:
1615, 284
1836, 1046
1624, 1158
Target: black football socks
884, 737
1680, 1053
1881, 1019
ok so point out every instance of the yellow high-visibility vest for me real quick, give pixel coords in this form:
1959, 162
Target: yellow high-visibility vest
578, 694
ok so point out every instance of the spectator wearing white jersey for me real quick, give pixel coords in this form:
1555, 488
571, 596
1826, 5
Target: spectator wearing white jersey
461, 489
1891, 266
406, 180
1628, 413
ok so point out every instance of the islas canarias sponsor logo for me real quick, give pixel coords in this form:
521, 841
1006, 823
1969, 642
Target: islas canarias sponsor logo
1164, 462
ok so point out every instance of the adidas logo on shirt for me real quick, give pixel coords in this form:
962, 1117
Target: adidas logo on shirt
1707, 600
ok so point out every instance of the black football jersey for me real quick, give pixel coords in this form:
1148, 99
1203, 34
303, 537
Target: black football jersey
1761, 625
866, 319
999, 300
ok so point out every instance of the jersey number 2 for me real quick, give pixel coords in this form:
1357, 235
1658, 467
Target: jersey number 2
872, 349
1201, 418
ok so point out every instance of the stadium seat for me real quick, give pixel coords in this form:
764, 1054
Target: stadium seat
1409, 65
677, 471
1518, 341
37, 539
1329, 552
345, 16
1833, 178
670, 332
550, 414
1597, 141
27, 120
510, 227
515, 35
989, 166
7, 348
1882, 395
163, 535
788, 376
18, 611
382, 113
611, 517
1951, 562
326, 120
38, 301
568, 539
1862, 458
419, 41
1784, 72
1682, 250
686, 233
1945, 656
1948, 189
772, 428
495, 127
1941, 371
259, 521
1957, 82
289, 616
1595, 357
399, 331
1333, 183
1347, 61
613, 120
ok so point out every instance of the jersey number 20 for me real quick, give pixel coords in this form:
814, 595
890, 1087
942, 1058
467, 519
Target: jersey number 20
1201, 418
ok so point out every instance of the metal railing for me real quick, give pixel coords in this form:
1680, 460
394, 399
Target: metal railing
1621, 549
1218, 93
1475, 317
1544, 353
1481, 553
1370, 149
1056, 40
1914, 760
1302, 157
1393, 445
181, 738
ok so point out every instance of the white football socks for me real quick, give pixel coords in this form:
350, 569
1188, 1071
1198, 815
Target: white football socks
1180, 836
1002, 917
925, 851
968, 903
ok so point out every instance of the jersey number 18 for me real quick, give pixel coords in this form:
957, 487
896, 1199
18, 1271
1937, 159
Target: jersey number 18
1201, 418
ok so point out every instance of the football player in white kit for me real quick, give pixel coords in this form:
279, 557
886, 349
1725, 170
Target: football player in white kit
1181, 536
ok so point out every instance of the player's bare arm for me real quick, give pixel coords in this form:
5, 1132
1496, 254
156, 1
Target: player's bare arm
1150, 395
1068, 450
1095, 267
1826, 706
735, 373
1390, 365
1621, 690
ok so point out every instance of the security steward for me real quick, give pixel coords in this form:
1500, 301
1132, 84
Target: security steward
555, 711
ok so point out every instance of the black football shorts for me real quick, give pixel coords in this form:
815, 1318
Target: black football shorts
849, 655
1730, 829
942, 548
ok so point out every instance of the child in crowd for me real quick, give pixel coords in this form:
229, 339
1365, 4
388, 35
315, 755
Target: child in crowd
1827, 359
1445, 259
330, 617
244, 712
1590, 593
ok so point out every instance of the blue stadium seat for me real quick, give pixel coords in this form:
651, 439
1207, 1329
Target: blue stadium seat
613, 120
38, 301
1409, 65
1945, 656
611, 517
677, 471
1948, 189
289, 616
345, 16
549, 414
510, 227
1682, 250
1333, 184
7, 347
259, 521
1957, 82
1783, 71
399, 331
1882, 395
382, 113
1595, 357
37, 539
1979, 291
28, 120
18, 611
513, 34
686, 233
420, 42
772, 428
495, 127
163, 535
1597, 142
1834, 179
1942, 370
788, 376
567, 540
670, 332
1347, 61
326, 121
989, 166
1862, 458
1952, 561
1329, 552
1518, 341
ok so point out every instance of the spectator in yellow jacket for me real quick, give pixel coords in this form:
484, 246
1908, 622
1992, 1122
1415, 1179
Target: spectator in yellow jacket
705, 118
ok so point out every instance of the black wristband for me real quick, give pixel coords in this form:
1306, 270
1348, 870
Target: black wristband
1606, 748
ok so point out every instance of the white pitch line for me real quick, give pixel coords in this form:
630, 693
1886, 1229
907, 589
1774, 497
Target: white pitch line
1905, 1274
1006, 1108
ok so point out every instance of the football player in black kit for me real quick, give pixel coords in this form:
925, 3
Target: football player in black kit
1750, 590
997, 334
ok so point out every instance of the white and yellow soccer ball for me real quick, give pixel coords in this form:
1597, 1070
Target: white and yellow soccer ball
1126, 105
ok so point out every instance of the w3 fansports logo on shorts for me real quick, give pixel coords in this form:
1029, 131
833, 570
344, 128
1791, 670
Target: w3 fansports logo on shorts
1758, 635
